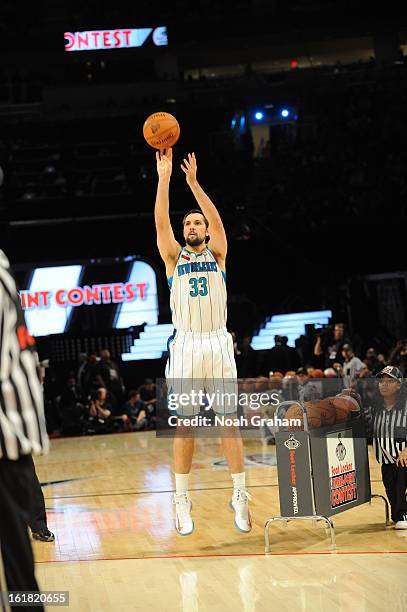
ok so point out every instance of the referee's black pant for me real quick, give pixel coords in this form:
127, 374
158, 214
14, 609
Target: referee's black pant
395, 482
38, 517
16, 499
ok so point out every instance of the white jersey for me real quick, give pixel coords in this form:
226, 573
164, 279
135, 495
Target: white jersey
198, 293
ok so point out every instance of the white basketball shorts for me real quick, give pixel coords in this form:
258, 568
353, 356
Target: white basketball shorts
202, 363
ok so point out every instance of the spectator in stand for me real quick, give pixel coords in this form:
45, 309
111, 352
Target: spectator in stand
352, 365
109, 371
69, 392
277, 357
282, 357
148, 395
294, 357
100, 412
398, 356
307, 389
71, 407
246, 362
329, 348
372, 361
93, 378
382, 359
134, 413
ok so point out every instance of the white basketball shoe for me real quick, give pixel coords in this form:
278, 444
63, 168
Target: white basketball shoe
240, 504
402, 523
183, 521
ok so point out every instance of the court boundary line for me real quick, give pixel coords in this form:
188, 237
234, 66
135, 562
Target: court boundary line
165, 491
234, 555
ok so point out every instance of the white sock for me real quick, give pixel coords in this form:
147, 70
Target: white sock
239, 481
181, 483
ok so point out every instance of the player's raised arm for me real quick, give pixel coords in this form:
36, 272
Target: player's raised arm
217, 233
167, 245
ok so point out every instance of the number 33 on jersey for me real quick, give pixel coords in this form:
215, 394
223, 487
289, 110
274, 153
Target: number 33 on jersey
198, 292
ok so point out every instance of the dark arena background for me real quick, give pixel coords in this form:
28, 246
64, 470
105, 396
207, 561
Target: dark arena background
297, 115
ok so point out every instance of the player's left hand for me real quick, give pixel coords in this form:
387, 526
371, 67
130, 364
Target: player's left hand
190, 168
402, 458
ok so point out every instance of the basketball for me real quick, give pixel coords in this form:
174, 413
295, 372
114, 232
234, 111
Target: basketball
314, 417
343, 405
325, 409
295, 412
161, 130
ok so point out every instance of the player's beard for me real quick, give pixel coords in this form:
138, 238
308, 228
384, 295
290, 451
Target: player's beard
194, 241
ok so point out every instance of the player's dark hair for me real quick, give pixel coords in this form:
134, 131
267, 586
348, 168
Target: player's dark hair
195, 210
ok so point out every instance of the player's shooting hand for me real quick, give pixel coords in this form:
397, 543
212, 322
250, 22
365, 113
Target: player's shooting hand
164, 164
189, 167
402, 458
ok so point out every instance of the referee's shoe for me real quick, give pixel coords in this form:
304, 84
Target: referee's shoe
43, 534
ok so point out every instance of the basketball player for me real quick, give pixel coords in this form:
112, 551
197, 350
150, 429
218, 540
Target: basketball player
201, 347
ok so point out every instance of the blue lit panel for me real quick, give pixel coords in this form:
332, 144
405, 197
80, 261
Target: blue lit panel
51, 319
291, 325
144, 309
301, 316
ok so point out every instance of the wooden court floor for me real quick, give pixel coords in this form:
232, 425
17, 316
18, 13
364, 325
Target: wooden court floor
109, 502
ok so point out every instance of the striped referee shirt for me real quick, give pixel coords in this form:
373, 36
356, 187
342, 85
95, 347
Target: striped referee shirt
22, 421
389, 433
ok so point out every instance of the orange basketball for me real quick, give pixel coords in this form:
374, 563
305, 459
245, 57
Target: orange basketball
326, 410
317, 374
295, 412
314, 417
161, 130
344, 405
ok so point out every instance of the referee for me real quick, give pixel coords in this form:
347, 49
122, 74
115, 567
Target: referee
387, 418
22, 433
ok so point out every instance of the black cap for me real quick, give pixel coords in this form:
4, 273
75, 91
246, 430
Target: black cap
391, 371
